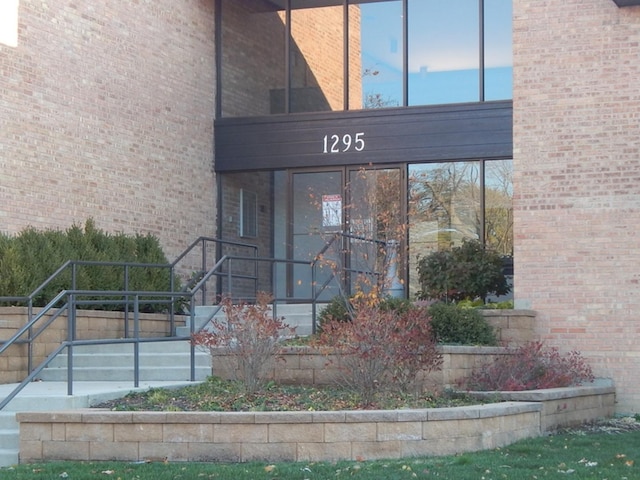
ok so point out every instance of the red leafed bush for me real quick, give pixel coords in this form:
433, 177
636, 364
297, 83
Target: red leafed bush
251, 334
381, 350
531, 367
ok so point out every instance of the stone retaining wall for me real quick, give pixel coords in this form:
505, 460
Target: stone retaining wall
307, 366
304, 365
273, 436
90, 324
303, 436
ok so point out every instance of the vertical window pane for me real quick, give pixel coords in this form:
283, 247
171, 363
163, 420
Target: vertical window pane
443, 48
374, 216
375, 55
253, 59
316, 56
499, 206
444, 209
498, 50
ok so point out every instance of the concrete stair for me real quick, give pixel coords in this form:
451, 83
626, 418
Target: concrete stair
9, 428
109, 369
53, 396
9, 439
296, 315
159, 361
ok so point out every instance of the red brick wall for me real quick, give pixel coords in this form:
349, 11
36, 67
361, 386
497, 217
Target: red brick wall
577, 180
107, 112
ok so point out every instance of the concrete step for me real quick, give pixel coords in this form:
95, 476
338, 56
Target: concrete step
159, 361
111, 374
119, 360
296, 315
9, 456
9, 439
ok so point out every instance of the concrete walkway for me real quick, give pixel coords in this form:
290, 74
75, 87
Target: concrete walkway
45, 396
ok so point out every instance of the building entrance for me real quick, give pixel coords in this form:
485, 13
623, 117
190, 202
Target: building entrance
341, 219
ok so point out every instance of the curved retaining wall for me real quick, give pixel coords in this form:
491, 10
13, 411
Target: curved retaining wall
273, 436
92, 434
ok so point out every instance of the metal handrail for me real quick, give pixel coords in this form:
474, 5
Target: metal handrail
130, 299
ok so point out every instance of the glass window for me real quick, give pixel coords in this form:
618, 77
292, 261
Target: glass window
444, 51
316, 60
442, 54
253, 59
498, 214
375, 55
444, 209
498, 55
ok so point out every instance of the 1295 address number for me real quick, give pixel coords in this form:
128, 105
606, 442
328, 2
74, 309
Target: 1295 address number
340, 144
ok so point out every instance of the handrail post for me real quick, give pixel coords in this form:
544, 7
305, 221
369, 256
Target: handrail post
229, 277
204, 269
71, 336
136, 343
313, 298
126, 301
30, 332
172, 306
192, 350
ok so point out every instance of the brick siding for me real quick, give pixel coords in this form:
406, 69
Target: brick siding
577, 181
108, 114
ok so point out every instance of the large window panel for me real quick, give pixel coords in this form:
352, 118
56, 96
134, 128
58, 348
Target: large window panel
375, 55
498, 192
498, 55
444, 209
443, 48
433, 55
316, 60
253, 59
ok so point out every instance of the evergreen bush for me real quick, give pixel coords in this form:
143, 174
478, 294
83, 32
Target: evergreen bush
452, 324
468, 271
29, 258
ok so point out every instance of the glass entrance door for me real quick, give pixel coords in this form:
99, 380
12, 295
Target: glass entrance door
377, 223
317, 214
364, 204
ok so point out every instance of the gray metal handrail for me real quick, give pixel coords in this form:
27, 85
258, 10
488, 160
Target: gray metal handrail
72, 298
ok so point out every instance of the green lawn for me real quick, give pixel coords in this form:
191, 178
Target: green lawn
577, 455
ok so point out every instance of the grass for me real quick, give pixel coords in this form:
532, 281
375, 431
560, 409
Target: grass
575, 454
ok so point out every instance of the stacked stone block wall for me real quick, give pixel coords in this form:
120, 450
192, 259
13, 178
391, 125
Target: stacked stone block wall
273, 436
305, 436
577, 181
89, 325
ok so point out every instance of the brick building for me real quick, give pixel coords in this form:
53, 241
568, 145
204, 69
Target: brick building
274, 121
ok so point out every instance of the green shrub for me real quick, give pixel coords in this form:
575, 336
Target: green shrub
336, 309
468, 271
453, 324
32, 256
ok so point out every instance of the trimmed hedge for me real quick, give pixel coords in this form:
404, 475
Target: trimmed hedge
32, 256
450, 323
